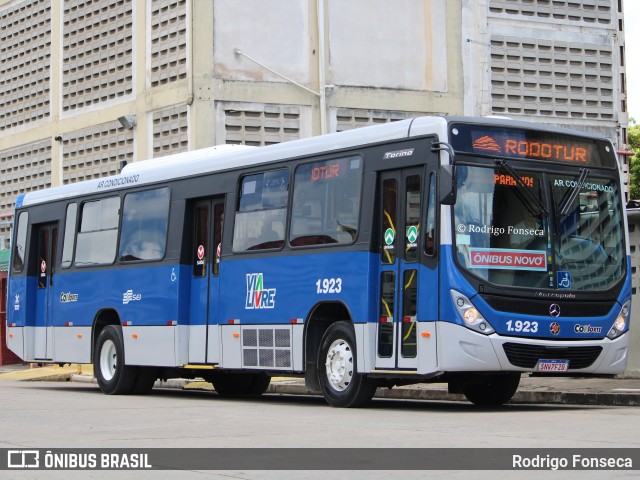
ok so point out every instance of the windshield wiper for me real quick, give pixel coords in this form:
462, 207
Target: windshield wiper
525, 190
570, 196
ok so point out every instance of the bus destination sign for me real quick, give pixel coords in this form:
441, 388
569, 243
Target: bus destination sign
531, 145
561, 151
325, 171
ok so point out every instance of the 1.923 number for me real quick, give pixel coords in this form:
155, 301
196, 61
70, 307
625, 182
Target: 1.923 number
329, 285
522, 327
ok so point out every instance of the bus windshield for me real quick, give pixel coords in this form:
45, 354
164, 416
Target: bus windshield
504, 236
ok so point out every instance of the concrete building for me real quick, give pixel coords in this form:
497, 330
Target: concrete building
89, 84
186, 74
550, 61
190, 74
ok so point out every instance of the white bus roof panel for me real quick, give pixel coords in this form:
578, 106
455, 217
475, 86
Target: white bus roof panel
226, 157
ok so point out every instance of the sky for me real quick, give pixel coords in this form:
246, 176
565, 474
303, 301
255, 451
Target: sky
632, 64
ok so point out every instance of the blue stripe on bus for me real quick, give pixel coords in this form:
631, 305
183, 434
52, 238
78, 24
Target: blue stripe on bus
272, 290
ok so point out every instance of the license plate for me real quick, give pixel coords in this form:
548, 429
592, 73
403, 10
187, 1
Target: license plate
552, 365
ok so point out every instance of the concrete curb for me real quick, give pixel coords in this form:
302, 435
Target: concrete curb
43, 374
521, 397
432, 393
579, 398
83, 379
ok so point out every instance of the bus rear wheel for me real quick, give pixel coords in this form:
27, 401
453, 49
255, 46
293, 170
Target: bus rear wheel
113, 376
495, 390
340, 382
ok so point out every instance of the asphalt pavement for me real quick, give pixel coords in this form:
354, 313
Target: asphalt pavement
622, 390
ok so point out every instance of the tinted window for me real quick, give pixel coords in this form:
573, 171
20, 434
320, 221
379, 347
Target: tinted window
430, 231
262, 211
389, 221
20, 242
145, 217
499, 232
326, 202
96, 243
589, 247
69, 235
501, 235
412, 217
201, 240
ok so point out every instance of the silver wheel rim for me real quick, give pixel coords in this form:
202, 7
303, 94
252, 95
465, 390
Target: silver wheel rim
339, 365
108, 360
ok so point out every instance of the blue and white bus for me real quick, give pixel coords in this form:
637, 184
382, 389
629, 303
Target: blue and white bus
459, 250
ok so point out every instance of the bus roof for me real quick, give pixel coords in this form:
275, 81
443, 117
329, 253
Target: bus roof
227, 157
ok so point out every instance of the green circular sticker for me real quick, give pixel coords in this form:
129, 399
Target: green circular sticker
389, 236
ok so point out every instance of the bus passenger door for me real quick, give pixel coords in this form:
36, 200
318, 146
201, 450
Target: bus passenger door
401, 207
47, 235
205, 288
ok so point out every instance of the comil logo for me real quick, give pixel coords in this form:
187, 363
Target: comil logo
68, 297
257, 295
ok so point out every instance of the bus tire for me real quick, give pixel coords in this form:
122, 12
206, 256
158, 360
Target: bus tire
231, 384
259, 384
113, 376
145, 380
496, 390
340, 382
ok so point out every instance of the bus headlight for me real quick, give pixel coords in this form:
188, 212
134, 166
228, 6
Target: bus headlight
621, 322
470, 315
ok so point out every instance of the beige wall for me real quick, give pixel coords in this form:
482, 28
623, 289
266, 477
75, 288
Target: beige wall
71, 69
517, 62
361, 55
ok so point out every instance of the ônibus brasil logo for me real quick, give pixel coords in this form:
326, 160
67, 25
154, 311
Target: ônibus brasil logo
257, 295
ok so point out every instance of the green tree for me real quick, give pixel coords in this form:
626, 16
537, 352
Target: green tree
633, 140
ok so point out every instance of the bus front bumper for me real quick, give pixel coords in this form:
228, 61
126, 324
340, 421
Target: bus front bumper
461, 349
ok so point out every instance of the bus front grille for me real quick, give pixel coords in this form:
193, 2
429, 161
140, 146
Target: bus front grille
527, 356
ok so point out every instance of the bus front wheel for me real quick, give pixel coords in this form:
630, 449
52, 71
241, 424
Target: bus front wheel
340, 382
113, 376
495, 390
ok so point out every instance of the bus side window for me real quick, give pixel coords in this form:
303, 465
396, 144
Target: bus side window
326, 202
218, 221
69, 235
430, 230
20, 242
389, 220
412, 217
262, 211
145, 217
200, 240
98, 234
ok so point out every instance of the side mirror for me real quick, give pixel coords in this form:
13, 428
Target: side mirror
447, 184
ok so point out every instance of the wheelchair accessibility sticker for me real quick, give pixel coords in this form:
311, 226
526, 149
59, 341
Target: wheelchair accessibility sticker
564, 279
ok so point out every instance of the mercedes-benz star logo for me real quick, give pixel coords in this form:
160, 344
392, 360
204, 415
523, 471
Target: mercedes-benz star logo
554, 310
